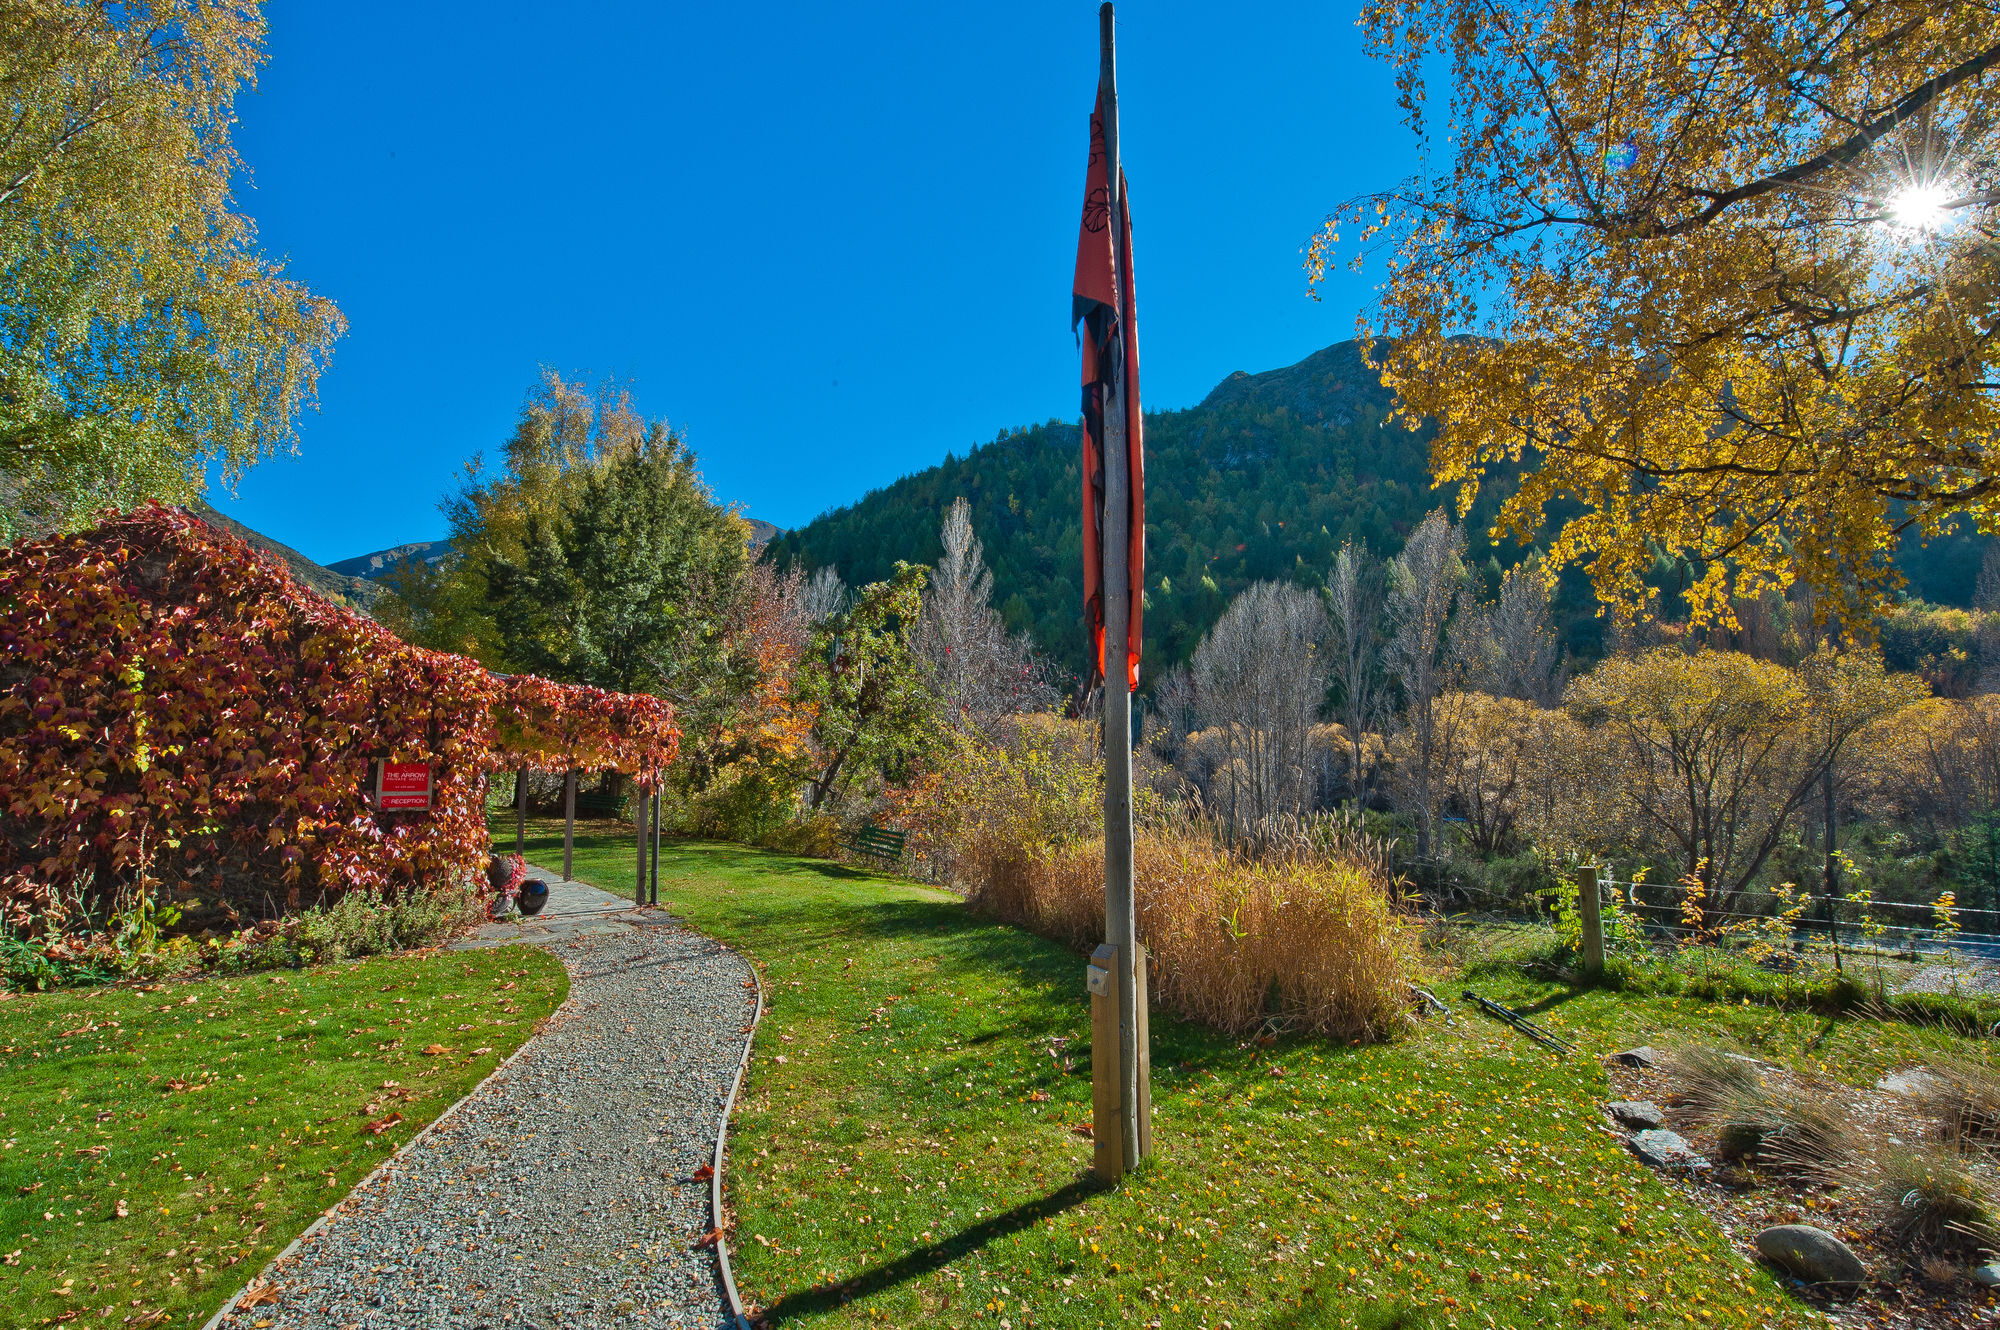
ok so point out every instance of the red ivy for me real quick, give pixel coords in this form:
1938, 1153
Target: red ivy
173, 707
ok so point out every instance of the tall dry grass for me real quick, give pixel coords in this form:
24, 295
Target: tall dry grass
1295, 929
1295, 944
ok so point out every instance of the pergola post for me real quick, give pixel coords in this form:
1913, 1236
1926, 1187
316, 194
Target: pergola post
642, 803
521, 811
569, 821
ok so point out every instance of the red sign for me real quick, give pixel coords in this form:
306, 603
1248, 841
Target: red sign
403, 785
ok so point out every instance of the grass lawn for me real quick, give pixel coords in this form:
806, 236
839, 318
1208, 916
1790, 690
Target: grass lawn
905, 1152
159, 1145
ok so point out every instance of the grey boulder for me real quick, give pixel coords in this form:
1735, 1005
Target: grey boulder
1811, 1253
1646, 1056
1666, 1149
1638, 1114
1987, 1276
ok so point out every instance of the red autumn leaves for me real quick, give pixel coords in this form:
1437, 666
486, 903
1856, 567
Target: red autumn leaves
175, 709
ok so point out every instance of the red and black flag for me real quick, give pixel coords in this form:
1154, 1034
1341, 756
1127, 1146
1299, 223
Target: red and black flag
1103, 303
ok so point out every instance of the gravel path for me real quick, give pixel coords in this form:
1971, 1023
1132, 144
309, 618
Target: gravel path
561, 1194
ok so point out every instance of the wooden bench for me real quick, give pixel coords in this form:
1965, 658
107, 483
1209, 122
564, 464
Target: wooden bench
878, 843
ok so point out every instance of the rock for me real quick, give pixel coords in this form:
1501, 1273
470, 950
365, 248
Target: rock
1666, 1149
1913, 1083
1647, 1056
1811, 1253
1638, 1114
1987, 1276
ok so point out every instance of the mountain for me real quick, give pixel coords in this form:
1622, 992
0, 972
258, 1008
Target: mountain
338, 587
761, 531
373, 567
1262, 480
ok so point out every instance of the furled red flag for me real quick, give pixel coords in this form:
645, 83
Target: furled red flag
1103, 302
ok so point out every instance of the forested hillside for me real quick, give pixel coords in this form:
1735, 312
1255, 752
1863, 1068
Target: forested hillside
1264, 479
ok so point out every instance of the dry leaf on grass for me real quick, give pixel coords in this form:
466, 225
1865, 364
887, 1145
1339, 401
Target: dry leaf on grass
380, 1125
436, 1051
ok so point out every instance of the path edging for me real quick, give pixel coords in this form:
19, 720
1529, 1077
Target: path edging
737, 1319
331, 1212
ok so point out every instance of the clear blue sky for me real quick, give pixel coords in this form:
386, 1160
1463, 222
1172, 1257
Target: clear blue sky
830, 241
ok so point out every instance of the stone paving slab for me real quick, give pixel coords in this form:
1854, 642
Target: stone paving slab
575, 909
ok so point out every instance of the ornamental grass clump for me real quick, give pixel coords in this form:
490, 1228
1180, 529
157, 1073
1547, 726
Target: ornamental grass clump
1295, 931
1799, 1127
1963, 1099
1929, 1199
1294, 945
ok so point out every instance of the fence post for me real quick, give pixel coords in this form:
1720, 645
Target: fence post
1590, 910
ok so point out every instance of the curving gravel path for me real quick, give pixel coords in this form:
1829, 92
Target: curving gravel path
562, 1192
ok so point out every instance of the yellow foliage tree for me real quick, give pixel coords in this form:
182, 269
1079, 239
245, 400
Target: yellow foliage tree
1705, 757
1730, 272
144, 338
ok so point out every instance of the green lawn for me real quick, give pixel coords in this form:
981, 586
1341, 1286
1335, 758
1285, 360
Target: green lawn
159, 1145
905, 1150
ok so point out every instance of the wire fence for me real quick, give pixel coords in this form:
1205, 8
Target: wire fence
1668, 913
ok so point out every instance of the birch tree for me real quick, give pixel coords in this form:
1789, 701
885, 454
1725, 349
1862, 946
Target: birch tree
1731, 271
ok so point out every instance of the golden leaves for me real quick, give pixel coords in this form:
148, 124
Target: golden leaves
1694, 317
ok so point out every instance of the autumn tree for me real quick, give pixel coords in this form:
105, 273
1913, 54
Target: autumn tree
1729, 270
1260, 678
1425, 583
1512, 648
1354, 591
979, 670
1707, 757
144, 336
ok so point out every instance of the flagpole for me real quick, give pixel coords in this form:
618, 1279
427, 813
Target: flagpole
1120, 917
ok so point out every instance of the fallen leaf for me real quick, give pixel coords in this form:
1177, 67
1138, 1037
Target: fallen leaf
703, 1174
258, 1295
31, 1187
121, 1211
708, 1239
1083, 1129
477, 1051
436, 1051
1039, 1096
380, 1125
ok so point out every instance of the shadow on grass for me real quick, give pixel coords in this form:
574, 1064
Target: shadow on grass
924, 1260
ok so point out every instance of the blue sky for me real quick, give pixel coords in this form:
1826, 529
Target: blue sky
830, 242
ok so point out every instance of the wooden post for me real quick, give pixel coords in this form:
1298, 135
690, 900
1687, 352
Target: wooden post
569, 820
1590, 910
1106, 1122
657, 796
1120, 915
1145, 1024
521, 812
642, 804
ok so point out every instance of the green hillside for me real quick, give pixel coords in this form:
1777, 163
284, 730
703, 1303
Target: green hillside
1264, 479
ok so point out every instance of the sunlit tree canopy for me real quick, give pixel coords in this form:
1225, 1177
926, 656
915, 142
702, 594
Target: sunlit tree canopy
144, 338
1721, 272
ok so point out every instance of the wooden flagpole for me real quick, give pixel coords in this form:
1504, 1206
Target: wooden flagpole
1120, 917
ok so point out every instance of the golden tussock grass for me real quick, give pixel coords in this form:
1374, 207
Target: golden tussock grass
1296, 943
